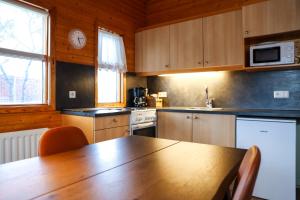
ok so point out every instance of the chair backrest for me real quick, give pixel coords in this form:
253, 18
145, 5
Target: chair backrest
61, 139
245, 180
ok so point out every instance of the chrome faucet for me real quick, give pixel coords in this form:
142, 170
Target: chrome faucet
208, 101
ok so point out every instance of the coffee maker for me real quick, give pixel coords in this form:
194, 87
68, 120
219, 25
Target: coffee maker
137, 97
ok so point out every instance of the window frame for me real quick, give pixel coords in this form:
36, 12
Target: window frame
49, 82
122, 103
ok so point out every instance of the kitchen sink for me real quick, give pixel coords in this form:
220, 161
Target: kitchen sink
204, 108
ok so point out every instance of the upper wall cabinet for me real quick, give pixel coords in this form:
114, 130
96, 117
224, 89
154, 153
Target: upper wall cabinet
223, 39
139, 61
152, 49
186, 44
272, 16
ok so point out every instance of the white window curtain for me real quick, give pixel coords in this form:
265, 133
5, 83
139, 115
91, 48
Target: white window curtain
111, 52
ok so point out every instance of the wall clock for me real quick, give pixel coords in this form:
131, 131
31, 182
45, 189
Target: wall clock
77, 38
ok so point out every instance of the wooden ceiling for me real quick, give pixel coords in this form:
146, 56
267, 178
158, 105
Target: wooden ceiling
162, 11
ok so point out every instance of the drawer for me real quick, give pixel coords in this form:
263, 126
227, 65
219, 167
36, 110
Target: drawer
111, 121
111, 133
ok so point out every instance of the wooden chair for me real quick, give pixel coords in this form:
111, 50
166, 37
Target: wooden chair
61, 139
246, 177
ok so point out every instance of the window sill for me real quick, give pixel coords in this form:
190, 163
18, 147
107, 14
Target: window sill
26, 108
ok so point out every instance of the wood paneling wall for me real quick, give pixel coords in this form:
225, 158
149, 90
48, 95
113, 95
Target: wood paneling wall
125, 16
164, 11
24, 121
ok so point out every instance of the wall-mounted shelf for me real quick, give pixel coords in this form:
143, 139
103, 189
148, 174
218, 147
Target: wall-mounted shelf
272, 68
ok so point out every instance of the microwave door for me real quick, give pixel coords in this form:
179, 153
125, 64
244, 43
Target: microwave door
267, 56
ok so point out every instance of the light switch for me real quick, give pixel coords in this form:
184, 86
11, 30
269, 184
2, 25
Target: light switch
72, 94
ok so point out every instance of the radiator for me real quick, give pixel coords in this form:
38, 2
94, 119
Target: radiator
19, 145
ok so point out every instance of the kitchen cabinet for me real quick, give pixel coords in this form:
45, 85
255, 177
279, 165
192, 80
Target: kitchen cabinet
223, 39
276, 140
270, 17
186, 44
139, 62
99, 128
153, 47
214, 41
214, 129
201, 128
175, 126
111, 133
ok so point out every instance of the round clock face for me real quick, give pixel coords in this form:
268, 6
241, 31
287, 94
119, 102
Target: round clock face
77, 38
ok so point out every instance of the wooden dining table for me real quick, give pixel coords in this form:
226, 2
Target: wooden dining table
132, 168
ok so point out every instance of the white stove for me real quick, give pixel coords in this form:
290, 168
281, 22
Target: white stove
143, 122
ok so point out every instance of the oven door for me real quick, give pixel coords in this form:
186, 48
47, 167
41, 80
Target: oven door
145, 129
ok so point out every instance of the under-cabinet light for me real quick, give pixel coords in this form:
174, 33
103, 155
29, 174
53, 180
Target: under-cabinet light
197, 74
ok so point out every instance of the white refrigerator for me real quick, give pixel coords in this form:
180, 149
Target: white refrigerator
276, 140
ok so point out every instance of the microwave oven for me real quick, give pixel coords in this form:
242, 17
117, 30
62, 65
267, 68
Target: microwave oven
277, 53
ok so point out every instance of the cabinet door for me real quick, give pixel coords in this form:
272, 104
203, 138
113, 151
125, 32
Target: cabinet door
156, 49
175, 126
139, 63
269, 17
111, 133
223, 40
111, 121
214, 129
186, 44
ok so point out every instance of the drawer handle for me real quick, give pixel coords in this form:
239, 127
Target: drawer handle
114, 120
263, 131
188, 117
196, 117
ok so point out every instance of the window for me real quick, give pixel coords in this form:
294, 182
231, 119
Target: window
23, 54
112, 65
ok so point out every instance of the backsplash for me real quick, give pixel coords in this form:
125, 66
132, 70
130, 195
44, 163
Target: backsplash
133, 81
74, 77
231, 89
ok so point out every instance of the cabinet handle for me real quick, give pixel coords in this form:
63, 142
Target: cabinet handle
206, 62
188, 117
263, 131
246, 32
196, 117
166, 66
114, 120
199, 63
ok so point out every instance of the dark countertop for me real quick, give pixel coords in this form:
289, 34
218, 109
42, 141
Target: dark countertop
226, 111
97, 112
238, 112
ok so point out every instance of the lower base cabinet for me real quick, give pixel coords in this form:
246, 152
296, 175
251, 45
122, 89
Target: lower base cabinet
111, 133
217, 129
175, 126
97, 129
214, 129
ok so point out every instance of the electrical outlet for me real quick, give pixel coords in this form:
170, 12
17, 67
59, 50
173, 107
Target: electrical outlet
72, 94
162, 94
281, 94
